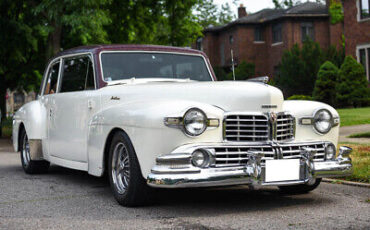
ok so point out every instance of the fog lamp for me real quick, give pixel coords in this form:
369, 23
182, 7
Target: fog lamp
330, 152
200, 158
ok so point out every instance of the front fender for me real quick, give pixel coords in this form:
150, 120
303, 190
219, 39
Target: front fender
33, 116
143, 123
301, 109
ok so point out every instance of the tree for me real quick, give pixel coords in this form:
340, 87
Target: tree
280, 4
327, 78
209, 14
20, 48
298, 68
71, 23
352, 87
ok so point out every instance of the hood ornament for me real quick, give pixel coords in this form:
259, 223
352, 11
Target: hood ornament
273, 117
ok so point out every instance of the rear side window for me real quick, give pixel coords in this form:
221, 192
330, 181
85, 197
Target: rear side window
52, 79
77, 74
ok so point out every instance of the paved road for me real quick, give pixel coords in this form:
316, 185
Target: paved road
349, 130
68, 199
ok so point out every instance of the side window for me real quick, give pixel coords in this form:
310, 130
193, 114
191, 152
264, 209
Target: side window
52, 79
77, 74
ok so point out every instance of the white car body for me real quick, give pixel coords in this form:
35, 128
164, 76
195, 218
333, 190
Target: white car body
73, 129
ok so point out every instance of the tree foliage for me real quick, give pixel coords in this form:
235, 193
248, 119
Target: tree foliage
280, 4
336, 11
327, 78
352, 87
209, 14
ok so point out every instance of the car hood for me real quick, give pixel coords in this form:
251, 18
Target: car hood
227, 95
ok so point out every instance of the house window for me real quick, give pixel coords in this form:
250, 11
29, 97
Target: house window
258, 34
277, 33
18, 98
199, 44
363, 57
307, 31
364, 9
231, 39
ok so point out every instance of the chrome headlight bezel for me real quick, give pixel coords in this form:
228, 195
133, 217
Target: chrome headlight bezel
318, 118
188, 121
313, 121
181, 123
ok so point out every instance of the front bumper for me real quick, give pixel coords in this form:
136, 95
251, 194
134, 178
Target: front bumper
175, 170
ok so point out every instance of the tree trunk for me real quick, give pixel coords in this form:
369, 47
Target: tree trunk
54, 39
2, 104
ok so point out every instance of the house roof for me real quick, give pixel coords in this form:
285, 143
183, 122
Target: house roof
307, 9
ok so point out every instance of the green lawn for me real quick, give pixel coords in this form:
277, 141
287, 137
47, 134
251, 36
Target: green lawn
360, 135
356, 116
361, 162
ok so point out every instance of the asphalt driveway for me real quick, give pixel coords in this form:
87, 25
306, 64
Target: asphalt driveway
69, 199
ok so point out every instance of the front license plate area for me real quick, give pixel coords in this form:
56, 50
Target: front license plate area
282, 170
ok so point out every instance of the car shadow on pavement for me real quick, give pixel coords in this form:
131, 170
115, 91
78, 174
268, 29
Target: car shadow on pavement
203, 201
185, 202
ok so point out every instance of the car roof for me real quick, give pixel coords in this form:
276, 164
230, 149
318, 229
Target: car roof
127, 47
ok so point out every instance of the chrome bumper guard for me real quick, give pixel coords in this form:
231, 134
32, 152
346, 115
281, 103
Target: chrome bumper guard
175, 170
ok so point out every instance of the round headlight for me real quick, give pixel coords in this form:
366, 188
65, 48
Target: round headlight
330, 152
200, 159
323, 121
195, 122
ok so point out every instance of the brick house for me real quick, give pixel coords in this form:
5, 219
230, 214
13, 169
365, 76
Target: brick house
357, 31
262, 37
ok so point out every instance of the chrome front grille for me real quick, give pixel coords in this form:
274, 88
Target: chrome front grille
293, 151
235, 156
238, 156
246, 128
284, 127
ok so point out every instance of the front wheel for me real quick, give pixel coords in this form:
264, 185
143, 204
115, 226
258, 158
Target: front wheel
30, 166
301, 188
127, 183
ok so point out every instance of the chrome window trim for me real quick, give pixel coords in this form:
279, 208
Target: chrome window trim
88, 54
143, 51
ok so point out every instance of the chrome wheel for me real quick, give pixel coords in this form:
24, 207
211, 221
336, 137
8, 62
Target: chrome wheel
120, 167
26, 157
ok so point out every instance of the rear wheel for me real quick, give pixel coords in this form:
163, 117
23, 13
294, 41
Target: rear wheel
127, 183
301, 188
30, 166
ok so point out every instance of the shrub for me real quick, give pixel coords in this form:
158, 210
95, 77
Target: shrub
220, 73
352, 87
243, 71
324, 90
298, 68
300, 97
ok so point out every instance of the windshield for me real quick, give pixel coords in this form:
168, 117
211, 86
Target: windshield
120, 66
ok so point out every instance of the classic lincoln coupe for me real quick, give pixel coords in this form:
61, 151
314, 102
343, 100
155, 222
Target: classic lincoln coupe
155, 116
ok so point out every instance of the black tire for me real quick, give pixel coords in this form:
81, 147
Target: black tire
28, 165
132, 191
301, 188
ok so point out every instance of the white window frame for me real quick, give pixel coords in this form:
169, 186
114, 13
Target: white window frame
359, 19
367, 55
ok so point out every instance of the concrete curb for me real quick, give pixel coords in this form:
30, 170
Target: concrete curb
358, 184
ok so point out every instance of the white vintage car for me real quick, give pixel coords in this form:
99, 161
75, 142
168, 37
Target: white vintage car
154, 116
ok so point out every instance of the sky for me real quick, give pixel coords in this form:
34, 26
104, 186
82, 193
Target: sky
251, 6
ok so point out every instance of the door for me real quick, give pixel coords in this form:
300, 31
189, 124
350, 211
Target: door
71, 109
47, 96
